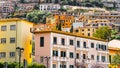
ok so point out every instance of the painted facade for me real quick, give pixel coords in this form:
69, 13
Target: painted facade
14, 33
69, 50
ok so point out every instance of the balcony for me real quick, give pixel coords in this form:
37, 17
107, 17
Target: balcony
60, 58
60, 46
101, 51
85, 49
103, 62
85, 61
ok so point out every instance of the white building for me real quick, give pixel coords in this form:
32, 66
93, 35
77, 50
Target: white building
49, 7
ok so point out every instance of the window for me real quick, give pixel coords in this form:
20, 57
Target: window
84, 56
12, 54
54, 40
71, 42
62, 66
77, 55
82, 29
54, 65
98, 58
2, 54
71, 66
78, 43
41, 41
92, 45
92, 57
12, 27
84, 44
3, 40
3, 28
41, 59
77, 30
88, 29
63, 54
63, 41
12, 40
103, 59
88, 34
55, 53
71, 54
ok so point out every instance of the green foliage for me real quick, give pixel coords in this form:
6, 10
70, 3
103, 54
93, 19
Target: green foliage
58, 27
16, 65
103, 33
36, 66
116, 58
62, 9
21, 1
71, 30
12, 65
114, 35
36, 7
37, 16
1, 65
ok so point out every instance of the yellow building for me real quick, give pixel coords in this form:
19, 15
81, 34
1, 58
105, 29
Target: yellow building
113, 49
65, 20
15, 33
87, 31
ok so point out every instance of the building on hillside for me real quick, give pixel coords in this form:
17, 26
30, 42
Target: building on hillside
57, 49
43, 27
64, 20
26, 7
86, 31
6, 6
15, 33
114, 47
89, 28
49, 7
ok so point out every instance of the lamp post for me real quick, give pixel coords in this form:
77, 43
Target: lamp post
47, 60
20, 51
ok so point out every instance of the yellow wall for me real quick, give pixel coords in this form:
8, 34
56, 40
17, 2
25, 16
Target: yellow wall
23, 37
85, 31
67, 20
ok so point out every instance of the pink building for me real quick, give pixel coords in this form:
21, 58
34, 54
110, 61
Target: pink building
67, 50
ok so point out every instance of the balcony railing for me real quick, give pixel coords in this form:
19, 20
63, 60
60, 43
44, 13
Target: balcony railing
60, 46
56, 58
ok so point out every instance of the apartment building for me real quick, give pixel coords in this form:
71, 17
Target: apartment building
114, 48
49, 7
6, 6
57, 49
26, 7
111, 16
15, 33
91, 26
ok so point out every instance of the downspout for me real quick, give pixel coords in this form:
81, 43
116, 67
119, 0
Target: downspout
16, 41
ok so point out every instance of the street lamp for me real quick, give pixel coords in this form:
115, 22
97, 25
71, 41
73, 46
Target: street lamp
47, 60
20, 51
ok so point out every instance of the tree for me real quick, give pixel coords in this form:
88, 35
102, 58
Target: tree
37, 16
116, 59
59, 26
21, 1
71, 30
36, 7
103, 33
114, 34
